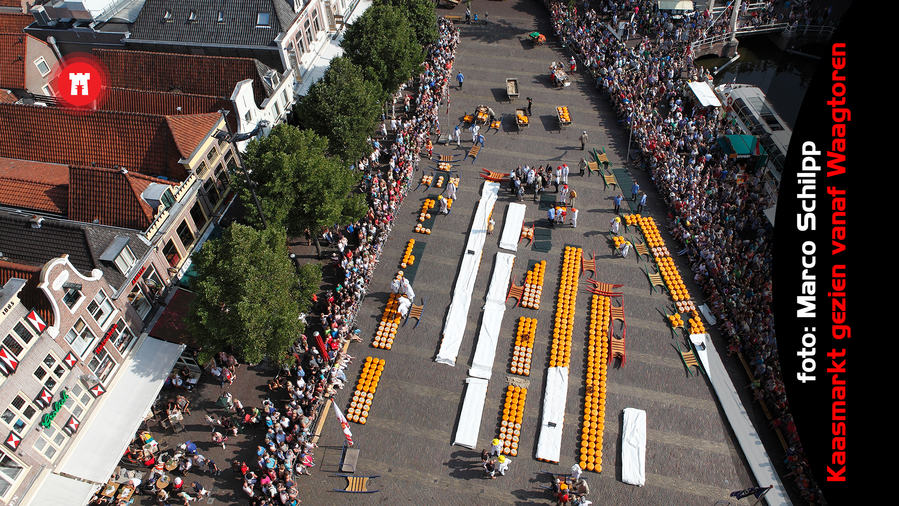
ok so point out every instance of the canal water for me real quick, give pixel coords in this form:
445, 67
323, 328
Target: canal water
783, 76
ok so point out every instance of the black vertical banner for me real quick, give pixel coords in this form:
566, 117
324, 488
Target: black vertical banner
824, 270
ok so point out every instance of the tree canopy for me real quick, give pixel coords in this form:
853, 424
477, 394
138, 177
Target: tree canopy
383, 43
299, 186
343, 107
247, 294
422, 18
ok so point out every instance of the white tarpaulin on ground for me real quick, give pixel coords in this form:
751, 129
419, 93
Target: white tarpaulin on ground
457, 316
549, 444
705, 94
494, 309
102, 440
512, 228
472, 409
633, 447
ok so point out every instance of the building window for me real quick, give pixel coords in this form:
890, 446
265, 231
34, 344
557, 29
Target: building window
212, 192
100, 308
19, 340
125, 260
50, 441
72, 296
125, 337
80, 337
213, 153
185, 234
10, 472
79, 400
197, 214
302, 45
101, 364
171, 254
277, 109
42, 66
317, 22
153, 281
139, 302
202, 169
262, 19
19, 414
48, 90
308, 27
50, 372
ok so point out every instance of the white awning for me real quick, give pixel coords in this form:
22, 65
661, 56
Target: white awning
102, 441
59, 491
705, 94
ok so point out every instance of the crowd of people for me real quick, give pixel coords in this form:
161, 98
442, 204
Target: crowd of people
716, 204
320, 362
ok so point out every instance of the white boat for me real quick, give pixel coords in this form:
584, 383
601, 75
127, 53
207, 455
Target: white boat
754, 115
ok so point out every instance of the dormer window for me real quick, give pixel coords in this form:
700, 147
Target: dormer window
262, 19
157, 195
272, 78
168, 16
221, 17
120, 254
193, 16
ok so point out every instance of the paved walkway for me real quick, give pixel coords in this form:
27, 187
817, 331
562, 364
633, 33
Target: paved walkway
691, 453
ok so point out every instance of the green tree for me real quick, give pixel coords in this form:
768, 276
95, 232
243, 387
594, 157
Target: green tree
310, 279
382, 42
246, 294
299, 186
422, 18
343, 107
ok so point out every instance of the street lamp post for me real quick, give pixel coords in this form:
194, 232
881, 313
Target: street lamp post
240, 137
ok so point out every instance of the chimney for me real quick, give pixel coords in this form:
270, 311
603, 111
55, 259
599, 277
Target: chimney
36, 221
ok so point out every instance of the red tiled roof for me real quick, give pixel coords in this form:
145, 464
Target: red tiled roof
166, 104
30, 295
111, 197
37, 186
139, 142
13, 22
7, 97
190, 131
214, 76
12, 60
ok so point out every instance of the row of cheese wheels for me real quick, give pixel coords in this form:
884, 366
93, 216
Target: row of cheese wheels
595, 382
560, 352
366, 387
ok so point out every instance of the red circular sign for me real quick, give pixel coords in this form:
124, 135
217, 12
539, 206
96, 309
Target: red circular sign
81, 82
